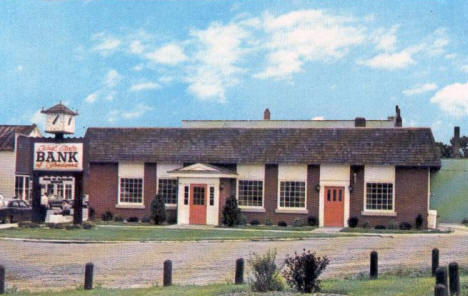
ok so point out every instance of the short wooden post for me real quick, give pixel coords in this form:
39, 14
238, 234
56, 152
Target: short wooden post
435, 260
88, 282
374, 265
440, 290
454, 279
2, 279
167, 277
239, 271
441, 276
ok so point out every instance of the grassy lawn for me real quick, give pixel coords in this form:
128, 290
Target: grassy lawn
154, 233
391, 231
387, 285
274, 227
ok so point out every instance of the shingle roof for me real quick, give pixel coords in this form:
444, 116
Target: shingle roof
389, 146
7, 135
59, 108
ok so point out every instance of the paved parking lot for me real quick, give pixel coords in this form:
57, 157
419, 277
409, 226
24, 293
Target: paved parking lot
32, 265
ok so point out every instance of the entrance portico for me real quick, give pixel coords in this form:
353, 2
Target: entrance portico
199, 193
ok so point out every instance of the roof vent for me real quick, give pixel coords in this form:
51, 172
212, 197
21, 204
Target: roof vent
360, 122
266, 114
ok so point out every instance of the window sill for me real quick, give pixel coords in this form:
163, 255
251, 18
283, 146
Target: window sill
252, 210
291, 211
171, 206
370, 213
129, 206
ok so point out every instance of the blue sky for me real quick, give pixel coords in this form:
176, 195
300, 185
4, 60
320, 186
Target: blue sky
155, 63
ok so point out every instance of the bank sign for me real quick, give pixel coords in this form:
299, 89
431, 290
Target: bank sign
58, 156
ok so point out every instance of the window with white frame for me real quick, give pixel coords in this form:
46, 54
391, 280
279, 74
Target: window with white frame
250, 193
167, 188
23, 187
379, 196
292, 194
131, 190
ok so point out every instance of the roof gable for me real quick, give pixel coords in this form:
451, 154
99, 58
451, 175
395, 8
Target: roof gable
8, 133
59, 108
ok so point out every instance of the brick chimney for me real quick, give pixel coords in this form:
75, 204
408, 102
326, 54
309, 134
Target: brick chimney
456, 142
398, 119
359, 122
266, 114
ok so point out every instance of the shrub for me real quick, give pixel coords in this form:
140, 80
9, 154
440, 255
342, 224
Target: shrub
465, 221
55, 226
242, 220
133, 219
366, 225
312, 221
91, 213
419, 222
72, 226
28, 224
353, 222
302, 271
87, 225
107, 216
118, 218
254, 222
298, 222
392, 225
231, 212
172, 219
405, 226
146, 219
265, 276
158, 209
268, 222
380, 227
282, 224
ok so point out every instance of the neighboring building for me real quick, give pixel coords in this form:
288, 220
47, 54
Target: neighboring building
12, 185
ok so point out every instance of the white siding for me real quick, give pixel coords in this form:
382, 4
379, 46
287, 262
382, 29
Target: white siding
7, 173
131, 170
251, 171
384, 174
163, 168
292, 172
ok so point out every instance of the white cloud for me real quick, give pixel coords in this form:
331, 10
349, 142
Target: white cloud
464, 68
318, 118
218, 51
453, 99
419, 89
303, 36
385, 40
144, 86
112, 78
390, 61
137, 112
91, 98
19, 68
136, 47
169, 54
39, 119
105, 43
138, 67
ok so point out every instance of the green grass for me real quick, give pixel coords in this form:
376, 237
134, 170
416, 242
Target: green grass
153, 233
391, 231
274, 227
386, 285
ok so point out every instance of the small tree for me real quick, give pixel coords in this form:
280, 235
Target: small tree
158, 209
419, 222
231, 212
302, 271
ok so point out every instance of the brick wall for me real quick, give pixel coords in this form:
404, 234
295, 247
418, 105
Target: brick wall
410, 197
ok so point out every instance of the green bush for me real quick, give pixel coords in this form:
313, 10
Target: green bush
55, 226
231, 212
302, 271
419, 222
146, 219
254, 222
298, 222
28, 224
353, 222
107, 216
393, 225
158, 209
87, 225
312, 221
366, 225
118, 218
72, 226
133, 219
282, 224
265, 276
268, 222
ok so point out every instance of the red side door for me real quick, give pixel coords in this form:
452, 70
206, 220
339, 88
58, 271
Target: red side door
334, 207
198, 196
